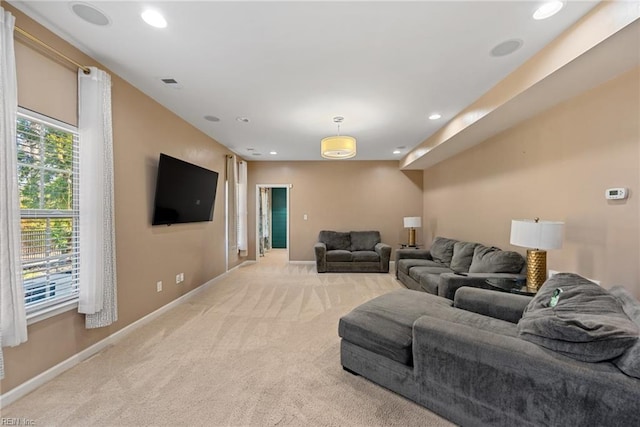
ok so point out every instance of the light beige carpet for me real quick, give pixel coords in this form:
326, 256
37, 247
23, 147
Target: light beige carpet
258, 348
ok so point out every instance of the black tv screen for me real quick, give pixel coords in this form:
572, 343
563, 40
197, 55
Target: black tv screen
184, 192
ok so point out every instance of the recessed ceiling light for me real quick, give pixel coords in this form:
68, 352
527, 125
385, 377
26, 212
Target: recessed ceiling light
90, 13
397, 151
434, 116
154, 18
212, 118
548, 9
256, 154
273, 153
506, 47
242, 119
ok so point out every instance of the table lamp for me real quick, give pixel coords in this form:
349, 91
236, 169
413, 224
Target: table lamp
412, 222
539, 235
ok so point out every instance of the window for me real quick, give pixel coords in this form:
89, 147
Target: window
48, 185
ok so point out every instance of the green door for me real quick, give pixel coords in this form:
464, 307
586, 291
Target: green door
279, 218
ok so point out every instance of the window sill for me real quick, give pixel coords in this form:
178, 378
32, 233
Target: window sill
52, 311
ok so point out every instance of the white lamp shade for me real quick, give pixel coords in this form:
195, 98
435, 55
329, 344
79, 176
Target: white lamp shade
338, 147
537, 235
412, 222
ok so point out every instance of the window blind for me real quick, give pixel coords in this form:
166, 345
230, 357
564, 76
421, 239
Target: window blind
48, 185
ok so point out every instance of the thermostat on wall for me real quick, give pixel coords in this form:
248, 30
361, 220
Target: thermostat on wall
616, 193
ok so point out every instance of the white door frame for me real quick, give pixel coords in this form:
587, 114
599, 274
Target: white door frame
288, 187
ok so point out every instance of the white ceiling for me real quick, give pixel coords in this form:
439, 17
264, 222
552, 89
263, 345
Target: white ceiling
290, 67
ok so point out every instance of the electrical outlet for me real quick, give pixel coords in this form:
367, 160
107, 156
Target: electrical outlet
159, 286
177, 278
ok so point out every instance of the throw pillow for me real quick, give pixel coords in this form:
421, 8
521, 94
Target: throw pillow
462, 256
629, 361
494, 260
584, 322
335, 240
364, 240
442, 250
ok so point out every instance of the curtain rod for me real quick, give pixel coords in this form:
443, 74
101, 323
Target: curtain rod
85, 69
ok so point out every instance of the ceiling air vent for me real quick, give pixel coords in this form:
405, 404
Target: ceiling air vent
172, 83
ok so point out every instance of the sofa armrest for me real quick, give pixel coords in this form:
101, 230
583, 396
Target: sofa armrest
450, 282
499, 305
413, 254
320, 250
384, 251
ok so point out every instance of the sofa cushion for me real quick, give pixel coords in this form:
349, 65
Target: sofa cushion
339, 256
406, 264
365, 256
335, 240
629, 361
364, 240
587, 323
384, 325
442, 250
493, 260
416, 273
462, 256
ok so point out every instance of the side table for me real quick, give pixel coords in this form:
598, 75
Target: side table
515, 286
406, 246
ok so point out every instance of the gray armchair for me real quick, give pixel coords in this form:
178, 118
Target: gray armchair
354, 251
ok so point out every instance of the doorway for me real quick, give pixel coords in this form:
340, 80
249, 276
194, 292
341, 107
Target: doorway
272, 219
279, 216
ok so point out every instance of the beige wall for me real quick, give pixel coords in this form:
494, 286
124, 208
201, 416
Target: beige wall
555, 166
141, 130
339, 195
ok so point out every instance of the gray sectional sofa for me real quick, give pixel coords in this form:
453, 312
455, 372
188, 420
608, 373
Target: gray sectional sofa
450, 264
353, 251
489, 358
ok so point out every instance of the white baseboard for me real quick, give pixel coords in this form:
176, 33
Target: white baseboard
39, 380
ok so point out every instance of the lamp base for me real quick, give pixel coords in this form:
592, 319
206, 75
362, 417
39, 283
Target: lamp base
412, 236
536, 268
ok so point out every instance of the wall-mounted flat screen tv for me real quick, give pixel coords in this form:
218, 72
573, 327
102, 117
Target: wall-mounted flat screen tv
184, 192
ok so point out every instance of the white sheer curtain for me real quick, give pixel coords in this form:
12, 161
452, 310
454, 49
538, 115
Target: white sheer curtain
98, 298
264, 220
13, 319
232, 184
242, 208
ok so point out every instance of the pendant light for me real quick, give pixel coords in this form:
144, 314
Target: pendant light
340, 146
